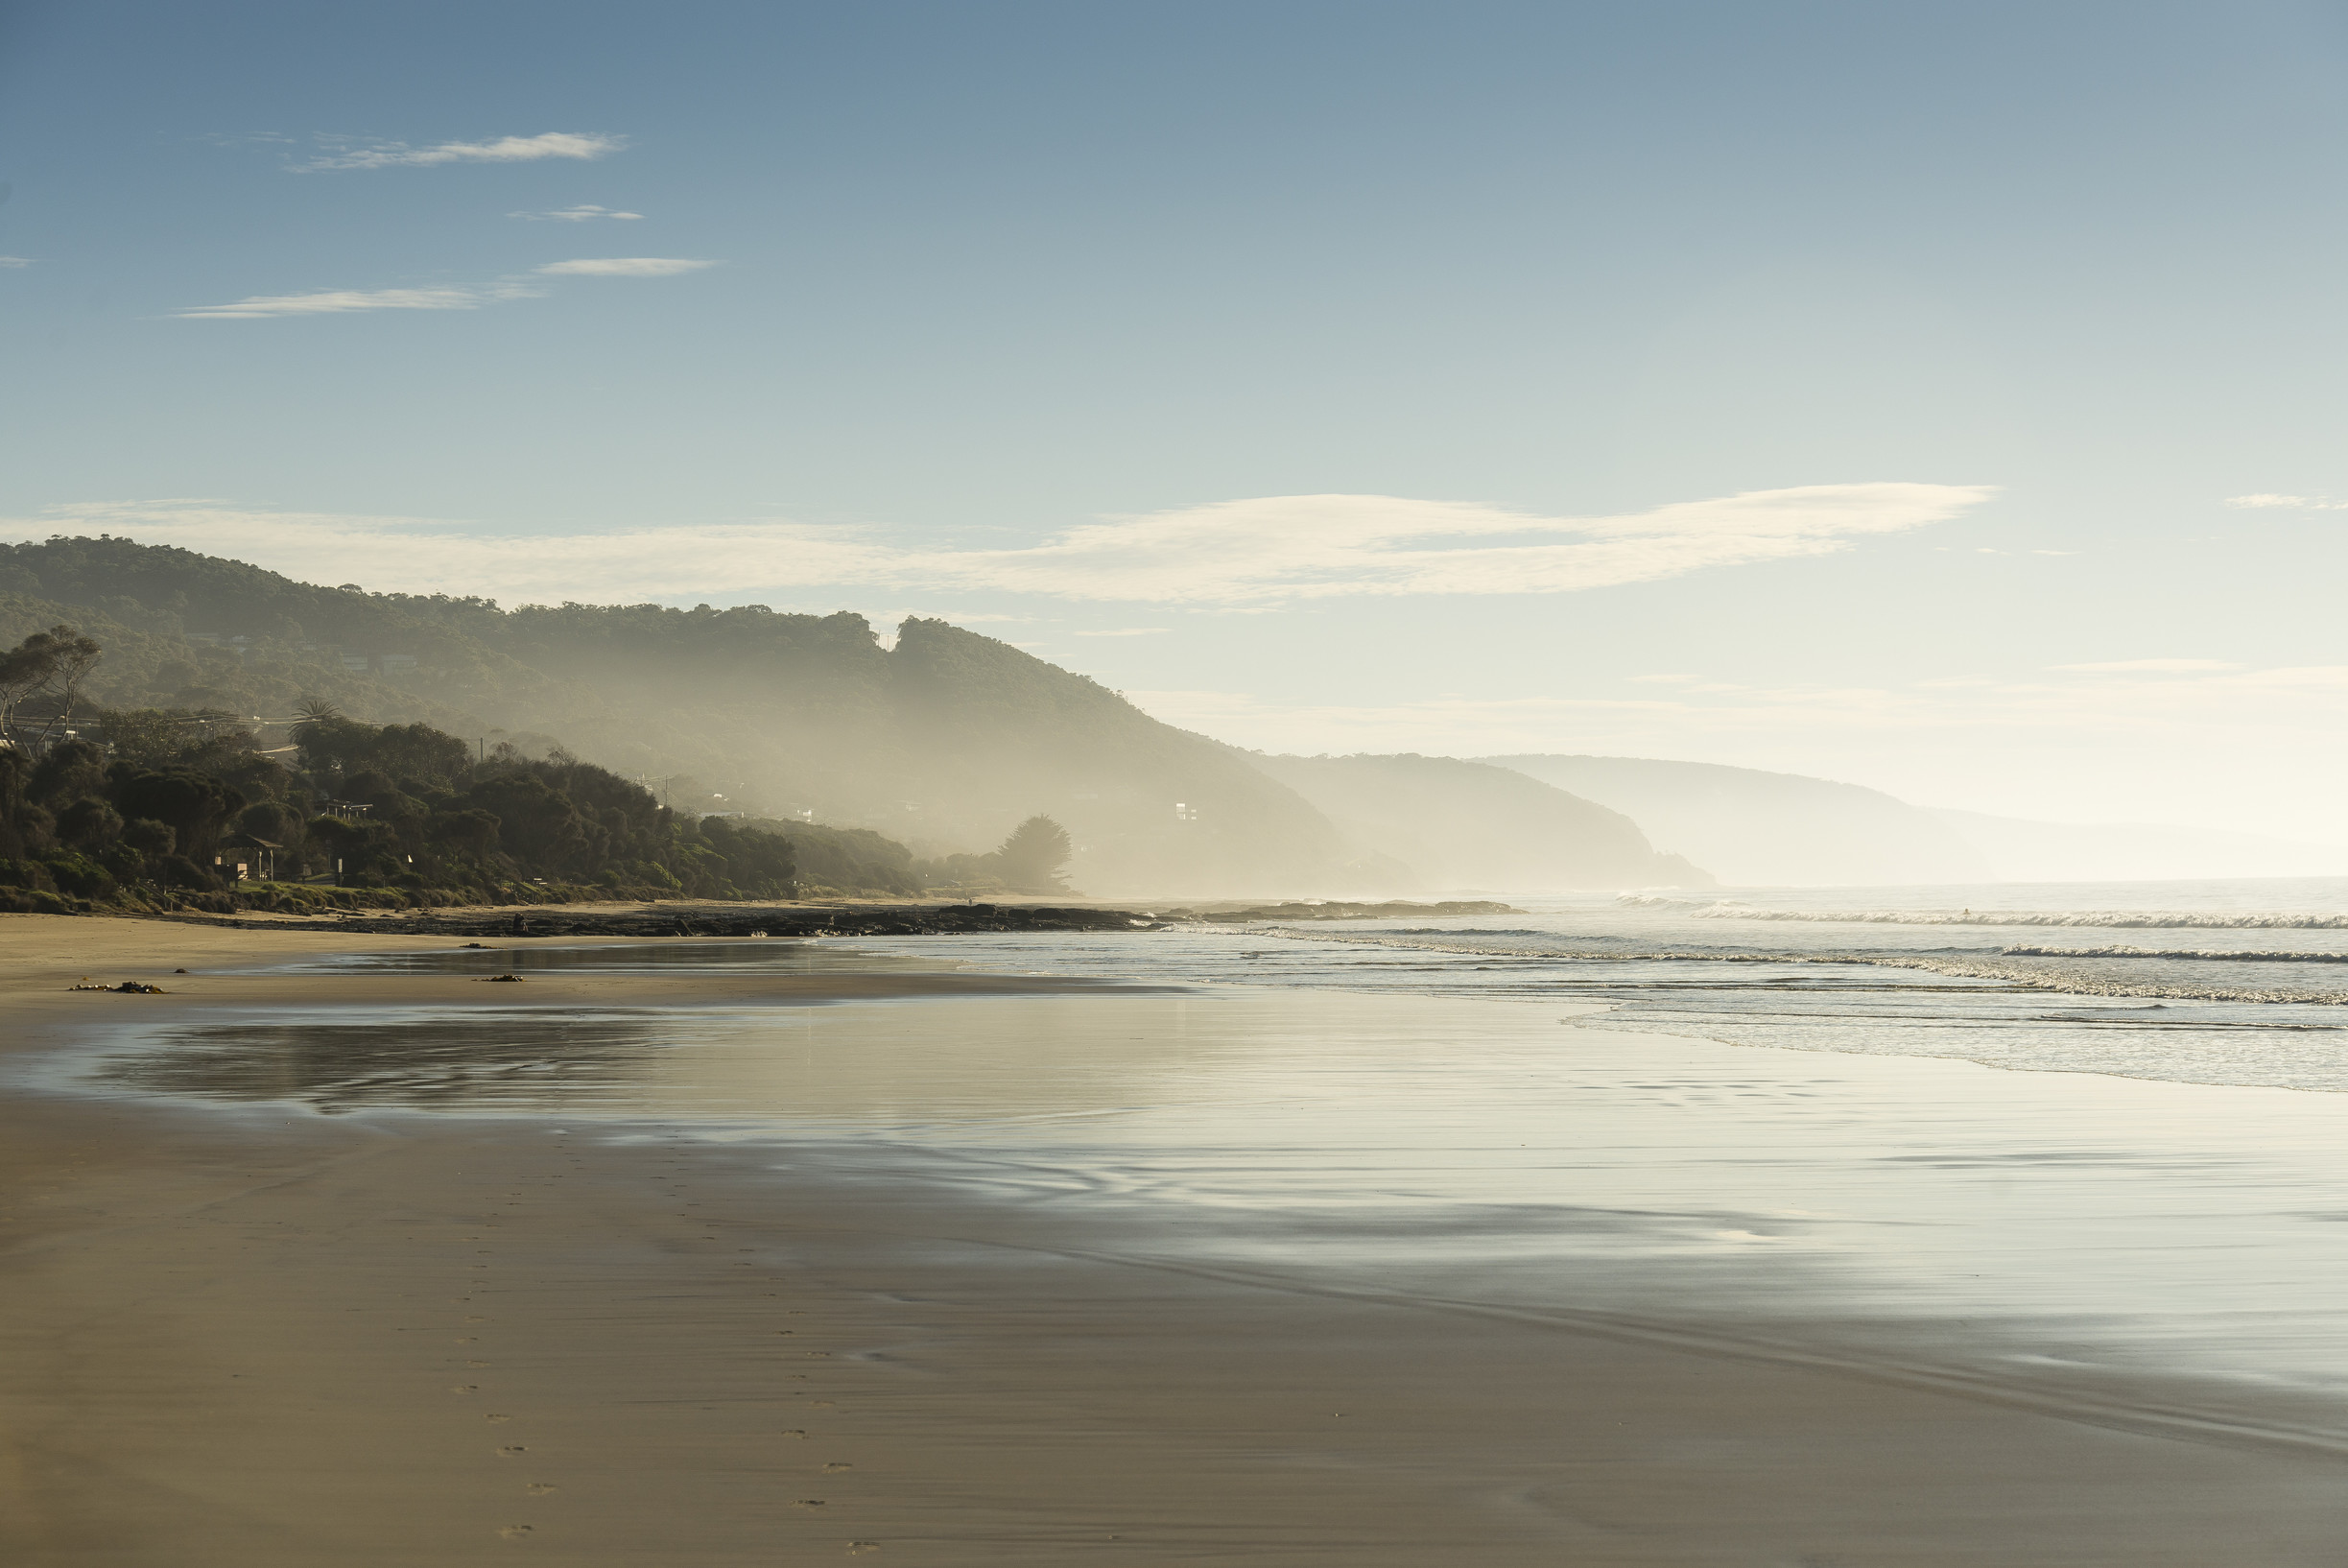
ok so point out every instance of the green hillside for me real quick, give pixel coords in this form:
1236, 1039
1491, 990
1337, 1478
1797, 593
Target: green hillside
945, 741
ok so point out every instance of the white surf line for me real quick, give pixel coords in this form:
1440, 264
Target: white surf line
2064, 981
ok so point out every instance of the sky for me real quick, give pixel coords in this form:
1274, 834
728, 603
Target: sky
1940, 398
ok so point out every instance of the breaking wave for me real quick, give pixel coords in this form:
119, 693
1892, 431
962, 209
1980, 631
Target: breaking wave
2188, 953
1729, 908
2013, 966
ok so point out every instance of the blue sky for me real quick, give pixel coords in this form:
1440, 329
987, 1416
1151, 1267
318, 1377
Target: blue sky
1041, 317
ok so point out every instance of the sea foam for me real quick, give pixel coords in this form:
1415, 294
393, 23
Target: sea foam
1729, 908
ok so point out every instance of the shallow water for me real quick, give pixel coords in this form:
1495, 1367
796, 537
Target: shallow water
1681, 1116
2251, 992
2055, 1236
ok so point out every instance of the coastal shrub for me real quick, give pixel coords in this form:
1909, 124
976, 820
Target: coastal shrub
36, 828
89, 823
79, 876
276, 821
180, 872
443, 823
195, 804
71, 771
835, 858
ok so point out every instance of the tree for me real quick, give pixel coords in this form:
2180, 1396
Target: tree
57, 660
331, 743
419, 751
1033, 856
471, 832
194, 805
89, 823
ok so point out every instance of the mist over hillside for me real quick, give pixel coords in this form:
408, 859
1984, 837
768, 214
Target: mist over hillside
1470, 826
1752, 828
1764, 829
944, 740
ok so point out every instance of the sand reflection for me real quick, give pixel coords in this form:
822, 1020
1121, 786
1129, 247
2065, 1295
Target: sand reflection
2046, 1228
892, 1064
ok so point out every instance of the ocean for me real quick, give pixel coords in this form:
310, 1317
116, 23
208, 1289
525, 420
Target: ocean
2213, 982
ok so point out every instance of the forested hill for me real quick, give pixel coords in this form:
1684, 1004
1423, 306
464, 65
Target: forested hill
945, 741
1465, 825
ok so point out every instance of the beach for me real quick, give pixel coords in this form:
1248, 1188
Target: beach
989, 1278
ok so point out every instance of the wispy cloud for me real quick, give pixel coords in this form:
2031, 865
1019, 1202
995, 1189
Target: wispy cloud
1299, 547
343, 301
2302, 503
16, 261
1126, 632
585, 212
623, 267
1254, 553
445, 297
349, 154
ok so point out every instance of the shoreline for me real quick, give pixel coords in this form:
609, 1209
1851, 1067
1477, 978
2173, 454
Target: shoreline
839, 917
252, 1337
682, 917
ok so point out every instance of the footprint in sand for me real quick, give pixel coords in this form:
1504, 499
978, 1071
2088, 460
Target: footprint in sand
497, 1417
510, 1450
808, 1502
540, 1489
465, 1387
856, 1548
835, 1468
513, 1532
796, 1432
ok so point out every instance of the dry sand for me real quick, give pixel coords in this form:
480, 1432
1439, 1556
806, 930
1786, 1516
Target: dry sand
252, 1338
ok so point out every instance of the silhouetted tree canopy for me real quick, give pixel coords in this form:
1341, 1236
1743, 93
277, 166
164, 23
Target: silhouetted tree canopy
159, 814
1033, 856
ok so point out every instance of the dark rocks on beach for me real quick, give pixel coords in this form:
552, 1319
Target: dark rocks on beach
779, 921
1391, 911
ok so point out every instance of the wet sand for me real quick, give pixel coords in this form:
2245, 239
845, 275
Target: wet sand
248, 1336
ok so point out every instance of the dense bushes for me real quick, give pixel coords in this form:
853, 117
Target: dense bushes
399, 808
179, 805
